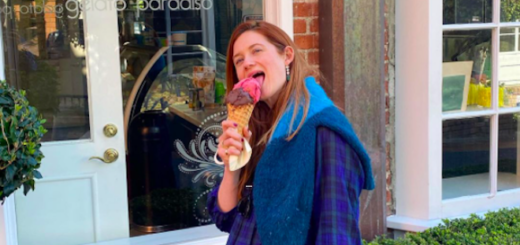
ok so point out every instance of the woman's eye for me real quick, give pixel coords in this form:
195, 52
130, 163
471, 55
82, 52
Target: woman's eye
256, 50
237, 62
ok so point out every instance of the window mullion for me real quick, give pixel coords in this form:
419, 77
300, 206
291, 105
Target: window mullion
493, 168
516, 37
478, 26
496, 11
495, 50
495, 47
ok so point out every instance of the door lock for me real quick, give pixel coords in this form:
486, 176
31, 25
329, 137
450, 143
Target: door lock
110, 130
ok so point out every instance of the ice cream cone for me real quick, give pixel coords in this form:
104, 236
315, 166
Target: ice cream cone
240, 115
240, 103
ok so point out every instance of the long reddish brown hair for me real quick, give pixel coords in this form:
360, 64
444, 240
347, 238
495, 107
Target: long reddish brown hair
264, 119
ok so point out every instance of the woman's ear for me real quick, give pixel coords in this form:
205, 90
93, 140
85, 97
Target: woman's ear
289, 55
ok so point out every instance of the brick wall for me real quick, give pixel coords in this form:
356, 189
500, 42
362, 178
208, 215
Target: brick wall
306, 29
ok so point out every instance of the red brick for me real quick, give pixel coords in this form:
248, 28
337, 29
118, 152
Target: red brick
300, 26
387, 117
388, 197
305, 9
315, 25
313, 57
307, 41
386, 82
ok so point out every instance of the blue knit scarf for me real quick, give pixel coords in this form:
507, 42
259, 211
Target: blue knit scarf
284, 178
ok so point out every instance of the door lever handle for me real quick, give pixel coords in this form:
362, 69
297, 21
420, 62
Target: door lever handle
110, 156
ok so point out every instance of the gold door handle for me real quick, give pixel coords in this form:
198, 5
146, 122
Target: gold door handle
110, 130
110, 156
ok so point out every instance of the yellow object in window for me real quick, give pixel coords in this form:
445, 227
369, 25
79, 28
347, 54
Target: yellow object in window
473, 93
484, 96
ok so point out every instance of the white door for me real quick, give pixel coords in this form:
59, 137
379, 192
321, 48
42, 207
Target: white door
78, 200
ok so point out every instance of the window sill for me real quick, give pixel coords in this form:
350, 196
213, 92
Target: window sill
204, 235
403, 223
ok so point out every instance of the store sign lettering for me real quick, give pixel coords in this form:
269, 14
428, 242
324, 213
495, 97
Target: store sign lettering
73, 8
175, 5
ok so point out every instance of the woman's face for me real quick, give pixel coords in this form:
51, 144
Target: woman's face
254, 56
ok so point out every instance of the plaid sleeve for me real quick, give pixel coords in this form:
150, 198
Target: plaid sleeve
223, 221
339, 181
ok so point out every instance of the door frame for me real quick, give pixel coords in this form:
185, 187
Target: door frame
277, 12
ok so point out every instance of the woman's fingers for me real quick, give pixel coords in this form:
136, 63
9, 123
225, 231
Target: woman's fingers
230, 142
233, 133
233, 151
222, 153
228, 124
225, 153
247, 133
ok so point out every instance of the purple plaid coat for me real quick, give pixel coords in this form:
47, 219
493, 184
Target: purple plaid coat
335, 215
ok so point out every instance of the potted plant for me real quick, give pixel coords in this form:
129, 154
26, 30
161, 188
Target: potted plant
21, 130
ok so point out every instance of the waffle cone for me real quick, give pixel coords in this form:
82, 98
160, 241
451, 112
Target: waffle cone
240, 115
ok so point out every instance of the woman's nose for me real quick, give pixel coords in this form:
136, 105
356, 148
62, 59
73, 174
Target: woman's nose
248, 62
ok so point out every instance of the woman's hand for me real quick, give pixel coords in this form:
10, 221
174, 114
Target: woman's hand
231, 142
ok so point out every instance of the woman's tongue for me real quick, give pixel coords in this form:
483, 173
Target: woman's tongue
260, 79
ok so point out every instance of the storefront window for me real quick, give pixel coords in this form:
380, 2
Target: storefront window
44, 54
173, 78
474, 86
508, 150
467, 11
465, 157
471, 163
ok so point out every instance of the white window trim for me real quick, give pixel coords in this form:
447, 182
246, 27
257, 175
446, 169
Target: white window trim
280, 13
277, 12
418, 186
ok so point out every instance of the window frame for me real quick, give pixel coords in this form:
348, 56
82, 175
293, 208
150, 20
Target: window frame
419, 117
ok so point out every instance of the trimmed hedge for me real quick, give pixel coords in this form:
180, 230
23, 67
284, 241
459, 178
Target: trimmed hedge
501, 227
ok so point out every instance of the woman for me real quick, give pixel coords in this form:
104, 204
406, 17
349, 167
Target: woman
308, 168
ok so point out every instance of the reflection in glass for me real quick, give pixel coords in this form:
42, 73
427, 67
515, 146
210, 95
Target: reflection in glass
509, 66
507, 40
472, 46
510, 11
45, 55
508, 150
174, 118
467, 11
465, 157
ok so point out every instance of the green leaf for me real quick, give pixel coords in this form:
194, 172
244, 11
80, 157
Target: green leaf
31, 183
10, 172
26, 188
37, 174
31, 161
17, 108
5, 101
9, 188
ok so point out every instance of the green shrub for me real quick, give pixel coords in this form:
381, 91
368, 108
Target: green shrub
501, 227
20, 133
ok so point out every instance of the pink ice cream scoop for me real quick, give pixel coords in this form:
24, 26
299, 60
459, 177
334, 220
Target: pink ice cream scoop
251, 86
